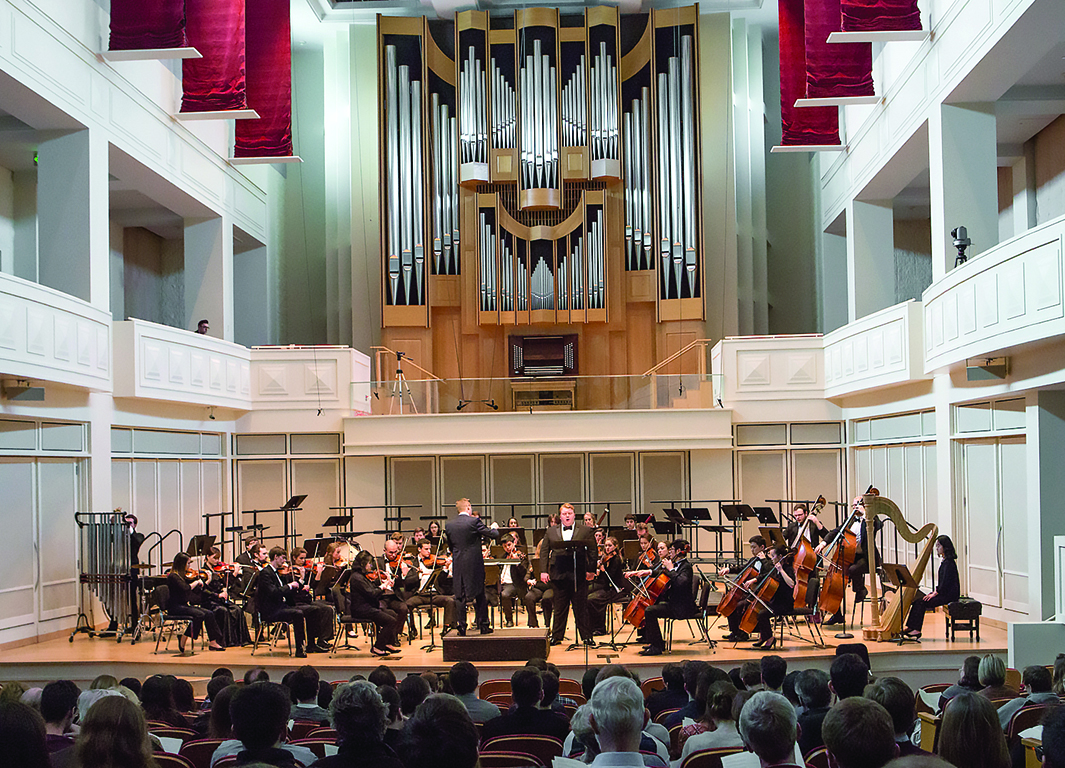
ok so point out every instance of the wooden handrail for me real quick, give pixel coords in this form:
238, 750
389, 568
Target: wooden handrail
675, 355
410, 362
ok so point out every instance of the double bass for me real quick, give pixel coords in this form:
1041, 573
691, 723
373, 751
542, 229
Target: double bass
838, 558
805, 556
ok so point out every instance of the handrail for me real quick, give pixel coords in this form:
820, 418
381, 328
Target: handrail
159, 544
675, 355
392, 352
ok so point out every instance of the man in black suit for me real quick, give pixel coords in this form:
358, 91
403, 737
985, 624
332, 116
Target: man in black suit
270, 594
859, 526
570, 554
677, 601
464, 533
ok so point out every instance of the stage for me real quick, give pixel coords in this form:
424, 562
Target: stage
934, 659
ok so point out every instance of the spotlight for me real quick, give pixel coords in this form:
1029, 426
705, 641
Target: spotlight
961, 242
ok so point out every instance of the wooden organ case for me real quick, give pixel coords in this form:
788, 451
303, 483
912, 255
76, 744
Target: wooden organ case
540, 174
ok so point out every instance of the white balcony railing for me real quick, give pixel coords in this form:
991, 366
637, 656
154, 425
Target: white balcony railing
47, 335
878, 350
768, 368
326, 377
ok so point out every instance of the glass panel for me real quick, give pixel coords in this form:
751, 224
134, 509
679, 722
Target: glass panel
154, 441
762, 475
895, 427
816, 473
260, 445
18, 435
320, 480
121, 440
316, 444
413, 481
261, 485
830, 433
210, 445
973, 418
16, 516
1009, 414
62, 437
612, 481
663, 478
58, 532
761, 434
169, 474
928, 423
861, 431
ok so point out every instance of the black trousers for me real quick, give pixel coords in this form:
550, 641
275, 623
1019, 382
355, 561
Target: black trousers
387, 621
570, 592
295, 617
321, 621
736, 616
598, 601
201, 617
507, 595
543, 594
652, 631
918, 608
447, 602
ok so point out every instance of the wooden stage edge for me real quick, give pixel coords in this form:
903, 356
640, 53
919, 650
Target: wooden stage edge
934, 659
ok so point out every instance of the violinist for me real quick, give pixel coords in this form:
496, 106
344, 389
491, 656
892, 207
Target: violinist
606, 586
272, 599
433, 534
856, 524
427, 563
400, 574
782, 599
182, 587
814, 533
511, 577
589, 519
366, 597
216, 599
676, 601
648, 557
247, 557
756, 566
491, 589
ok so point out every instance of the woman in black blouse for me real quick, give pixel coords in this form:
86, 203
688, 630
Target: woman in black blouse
948, 588
178, 604
364, 601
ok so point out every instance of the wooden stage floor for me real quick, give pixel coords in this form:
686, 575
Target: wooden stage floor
934, 659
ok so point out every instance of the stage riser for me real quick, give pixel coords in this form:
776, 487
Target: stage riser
502, 645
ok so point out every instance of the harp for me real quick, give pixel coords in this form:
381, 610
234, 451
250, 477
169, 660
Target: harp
888, 624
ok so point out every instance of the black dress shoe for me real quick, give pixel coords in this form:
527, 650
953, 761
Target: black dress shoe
300, 653
590, 643
486, 630
312, 648
556, 642
652, 651
461, 631
380, 651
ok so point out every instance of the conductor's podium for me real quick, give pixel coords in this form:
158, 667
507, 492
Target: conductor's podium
516, 644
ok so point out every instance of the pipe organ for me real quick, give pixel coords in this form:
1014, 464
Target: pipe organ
535, 168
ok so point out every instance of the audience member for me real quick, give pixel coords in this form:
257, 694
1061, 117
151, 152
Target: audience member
859, 733
22, 736
719, 729
848, 676
325, 694
394, 728
413, 690
751, 675
861, 650
815, 696
132, 683
463, 677
382, 676
184, 695
32, 698
588, 681
617, 717
970, 735
525, 717
767, 725
787, 688
1054, 739
59, 704
442, 735
655, 738
673, 696
220, 726
1038, 683
103, 681
256, 675
215, 685
90, 697
773, 669
12, 692
694, 709
305, 692
992, 675
969, 681
923, 760
585, 746
549, 692
157, 699
897, 698
360, 717
260, 714
1059, 675
114, 733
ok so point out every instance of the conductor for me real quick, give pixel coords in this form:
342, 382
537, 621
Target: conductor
464, 533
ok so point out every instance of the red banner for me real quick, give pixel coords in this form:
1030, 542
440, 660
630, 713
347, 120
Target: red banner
140, 24
269, 45
215, 82
800, 126
834, 69
880, 15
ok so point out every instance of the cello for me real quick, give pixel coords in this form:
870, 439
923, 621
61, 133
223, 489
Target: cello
732, 598
646, 594
763, 595
805, 557
840, 558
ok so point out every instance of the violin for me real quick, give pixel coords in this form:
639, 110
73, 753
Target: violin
192, 575
647, 558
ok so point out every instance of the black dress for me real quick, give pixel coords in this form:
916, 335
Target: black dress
179, 603
364, 603
948, 589
228, 615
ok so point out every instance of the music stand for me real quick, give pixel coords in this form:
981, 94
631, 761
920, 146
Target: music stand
317, 546
735, 513
644, 517
431, 591
773, 534
766, 516
630, 549
664, 527
199, 546
625, 534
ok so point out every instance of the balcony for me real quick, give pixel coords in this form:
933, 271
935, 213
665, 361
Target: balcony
50, 336
877, 351
1007, 296
331, 378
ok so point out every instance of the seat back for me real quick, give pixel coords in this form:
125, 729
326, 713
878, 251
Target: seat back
661, 717
199, 751
167, 760
652, 684
323, 732
317, 746
708, 758
501, 699
1028, 716
674, 739
571, 688
301, 729
930, 731
498, 758
817, 758
1004, 700
926, 698
488, 687
1013, 678
159, 597
172, 732
543, 748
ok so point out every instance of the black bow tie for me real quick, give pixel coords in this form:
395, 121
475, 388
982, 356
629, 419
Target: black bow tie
567, 528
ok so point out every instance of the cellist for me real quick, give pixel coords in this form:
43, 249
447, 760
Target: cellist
755, 566
677, 601
860, 567
814, 533
781, 602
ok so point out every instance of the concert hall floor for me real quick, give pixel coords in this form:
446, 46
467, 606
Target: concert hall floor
935, 659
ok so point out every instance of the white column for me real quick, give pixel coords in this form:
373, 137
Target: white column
870, 257
834, 283
963, 159
1024, 191
72, 216
209, 275
1046, 489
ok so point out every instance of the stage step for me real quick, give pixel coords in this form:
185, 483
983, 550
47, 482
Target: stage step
516, 644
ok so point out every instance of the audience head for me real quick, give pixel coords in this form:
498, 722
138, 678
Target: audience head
738, 700
581, 726
549, 692
434, 681
1037, 679
750, 674
256, 675
774, 669
992, 671
813, 689
32, 698
157, 695
734, 676
215, 686
223, 672
1059, 675
673, 677
971, 734
708, 677
382, 676
103, 681
463, 677
184, 696
719, 701
897, 698
970, 673
442, 734
59, 701
390, 696
848, 675
788, 687
88, 698
304, 684
692, 670
220, 726
618, 715
767, 725
537, 662
858, 733
412, 691
588, 681
114, 733
526, 687
22, 735
325, 694
132, 683
1054, 738
260, 714
924, 760
860, 649
359, 714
